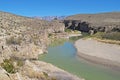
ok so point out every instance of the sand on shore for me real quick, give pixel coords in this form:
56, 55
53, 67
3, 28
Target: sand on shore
103, 53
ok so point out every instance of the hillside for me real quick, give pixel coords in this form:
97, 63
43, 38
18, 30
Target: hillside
97, 22
22, 40
26, 30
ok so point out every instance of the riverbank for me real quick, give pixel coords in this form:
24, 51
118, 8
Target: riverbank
98, 52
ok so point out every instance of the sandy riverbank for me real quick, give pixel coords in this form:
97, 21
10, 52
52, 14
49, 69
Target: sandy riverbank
98, 52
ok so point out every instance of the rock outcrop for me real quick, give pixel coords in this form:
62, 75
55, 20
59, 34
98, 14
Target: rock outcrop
104, 22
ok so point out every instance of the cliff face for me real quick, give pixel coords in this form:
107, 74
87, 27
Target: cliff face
105, 22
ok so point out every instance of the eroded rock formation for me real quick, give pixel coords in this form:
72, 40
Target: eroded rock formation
104, 22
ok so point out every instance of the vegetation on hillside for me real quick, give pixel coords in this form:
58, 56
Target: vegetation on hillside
13, 40
8, 66
110, 36
72, 31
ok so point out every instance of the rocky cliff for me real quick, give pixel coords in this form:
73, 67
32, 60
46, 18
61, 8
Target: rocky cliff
22, 39
104, 22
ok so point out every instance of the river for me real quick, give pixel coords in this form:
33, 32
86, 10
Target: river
64, 56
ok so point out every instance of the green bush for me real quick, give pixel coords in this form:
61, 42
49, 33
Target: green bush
8, 66
68, 30
49, 35
72, 31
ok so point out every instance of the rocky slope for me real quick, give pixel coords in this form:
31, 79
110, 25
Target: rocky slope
21, 34
105, 22
22, 39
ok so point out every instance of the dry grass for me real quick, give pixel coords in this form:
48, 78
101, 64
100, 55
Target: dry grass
108, 41
111, 38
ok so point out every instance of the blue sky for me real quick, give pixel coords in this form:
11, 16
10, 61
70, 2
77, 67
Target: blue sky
58, 7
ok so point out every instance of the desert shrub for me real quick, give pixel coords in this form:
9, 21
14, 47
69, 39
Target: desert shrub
13, 40
111, 35
98, 35
84, 34
75, 38
53, 79
45, 74
68, 30
49, 35
20, 63
35, 39
8, 66
72, 31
